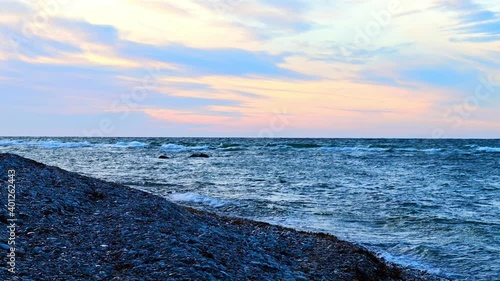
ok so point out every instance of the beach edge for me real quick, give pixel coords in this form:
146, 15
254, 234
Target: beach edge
90, 228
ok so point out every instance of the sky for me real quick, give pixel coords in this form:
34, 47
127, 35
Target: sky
250, 68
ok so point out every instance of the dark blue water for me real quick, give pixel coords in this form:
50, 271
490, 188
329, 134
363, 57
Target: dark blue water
432, 204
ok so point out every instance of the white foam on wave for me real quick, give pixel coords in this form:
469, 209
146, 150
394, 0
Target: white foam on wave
191, 197
412, 149
380, 149
56, 144
45, 144
68, 144
406, 261
355, 148
9, 142
488, 149
178, 147
130, 144
432, 150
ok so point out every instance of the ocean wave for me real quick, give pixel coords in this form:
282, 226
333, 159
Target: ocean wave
231, 147
410, 149
406, 260
130, 144
488, 149
353, 148
10, 142
179, 147
56, 144
380, 149
471, 146
68, 144
45, 144
283, 146
303, 145
431, 150
191, 197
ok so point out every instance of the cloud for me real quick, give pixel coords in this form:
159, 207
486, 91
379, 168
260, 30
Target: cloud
186, 117
180, 22
476, 22
335, 67
212, 61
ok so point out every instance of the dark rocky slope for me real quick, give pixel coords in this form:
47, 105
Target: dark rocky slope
78, 228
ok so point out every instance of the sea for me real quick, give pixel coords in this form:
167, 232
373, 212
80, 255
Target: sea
429, 204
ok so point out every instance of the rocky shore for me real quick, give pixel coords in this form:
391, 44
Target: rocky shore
72, 227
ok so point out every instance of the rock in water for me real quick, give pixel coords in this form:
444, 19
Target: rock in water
163, 157
199, 155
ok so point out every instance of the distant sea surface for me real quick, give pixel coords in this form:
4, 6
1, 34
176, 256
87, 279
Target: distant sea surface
431, 204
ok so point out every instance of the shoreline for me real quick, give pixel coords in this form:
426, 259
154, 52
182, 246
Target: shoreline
79, 228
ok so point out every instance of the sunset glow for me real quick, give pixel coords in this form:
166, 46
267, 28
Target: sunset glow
296, 68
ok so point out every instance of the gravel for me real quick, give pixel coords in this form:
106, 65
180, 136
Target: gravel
72, 227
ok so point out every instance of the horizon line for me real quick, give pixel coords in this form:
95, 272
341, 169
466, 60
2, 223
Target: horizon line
247, 137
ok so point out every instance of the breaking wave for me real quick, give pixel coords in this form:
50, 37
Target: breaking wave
178, 147
191, 197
